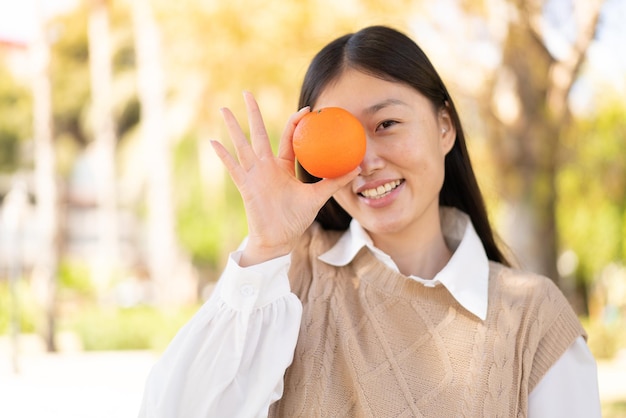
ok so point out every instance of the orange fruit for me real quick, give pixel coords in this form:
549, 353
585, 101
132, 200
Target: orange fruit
329, 142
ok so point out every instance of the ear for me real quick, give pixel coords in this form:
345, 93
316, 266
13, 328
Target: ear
447, 130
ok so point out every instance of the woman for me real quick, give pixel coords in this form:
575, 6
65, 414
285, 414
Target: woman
379, 293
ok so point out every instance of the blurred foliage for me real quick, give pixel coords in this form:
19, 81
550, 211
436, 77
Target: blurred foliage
201, 213
15, 119
136, 328
25, 305
100, 324
616, 409
211, 52
223, 51
75, 277
70, 74
592, 191
605, 338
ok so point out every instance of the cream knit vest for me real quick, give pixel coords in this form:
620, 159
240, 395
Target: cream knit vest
374, 343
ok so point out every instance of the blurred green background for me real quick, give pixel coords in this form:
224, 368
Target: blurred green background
116, 218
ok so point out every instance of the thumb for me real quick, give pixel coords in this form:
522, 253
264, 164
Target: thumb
328, 187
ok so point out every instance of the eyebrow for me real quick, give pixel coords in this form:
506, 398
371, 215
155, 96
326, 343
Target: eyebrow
385, 103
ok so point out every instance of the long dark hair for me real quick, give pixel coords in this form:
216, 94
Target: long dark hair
390, 55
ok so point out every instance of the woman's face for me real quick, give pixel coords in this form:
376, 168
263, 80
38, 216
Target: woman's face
402, 173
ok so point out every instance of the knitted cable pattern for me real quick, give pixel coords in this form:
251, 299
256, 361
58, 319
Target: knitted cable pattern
374, 343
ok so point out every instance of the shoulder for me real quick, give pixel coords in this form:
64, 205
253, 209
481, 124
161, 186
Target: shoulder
514, 285
548, 325
543, 309
539, 304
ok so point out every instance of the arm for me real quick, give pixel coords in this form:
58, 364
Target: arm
570, 388
230, 358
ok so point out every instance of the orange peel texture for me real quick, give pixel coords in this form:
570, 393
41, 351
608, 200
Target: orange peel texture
329, 142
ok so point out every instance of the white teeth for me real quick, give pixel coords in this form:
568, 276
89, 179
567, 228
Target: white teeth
380, 191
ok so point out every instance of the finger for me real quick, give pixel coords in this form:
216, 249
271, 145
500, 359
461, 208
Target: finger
328, 187
244, 151
258, 134
285, 147
232, 166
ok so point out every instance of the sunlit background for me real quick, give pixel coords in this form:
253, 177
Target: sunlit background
116, 218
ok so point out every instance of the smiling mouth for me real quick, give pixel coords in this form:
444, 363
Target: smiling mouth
381, 191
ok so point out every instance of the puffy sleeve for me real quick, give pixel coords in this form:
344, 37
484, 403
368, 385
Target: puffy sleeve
570, 387
230, 358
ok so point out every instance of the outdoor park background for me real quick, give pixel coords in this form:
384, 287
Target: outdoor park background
116, 218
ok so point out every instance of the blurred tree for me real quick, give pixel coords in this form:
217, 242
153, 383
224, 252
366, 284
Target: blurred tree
46, 186
15, 120
69, 70
71, 78
210, 51
104, 140
525, 104
164, 256
71, 74
592, 202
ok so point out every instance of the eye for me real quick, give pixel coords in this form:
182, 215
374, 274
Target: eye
386, 124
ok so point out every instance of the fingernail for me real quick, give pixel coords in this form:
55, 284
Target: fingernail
307, 108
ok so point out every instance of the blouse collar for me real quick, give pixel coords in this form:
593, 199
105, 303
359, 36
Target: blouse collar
465, 276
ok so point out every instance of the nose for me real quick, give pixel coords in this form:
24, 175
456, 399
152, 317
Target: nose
372, 161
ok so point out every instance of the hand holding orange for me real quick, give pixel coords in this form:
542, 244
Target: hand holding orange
329, 142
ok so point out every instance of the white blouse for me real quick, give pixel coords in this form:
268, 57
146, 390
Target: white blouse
230, 358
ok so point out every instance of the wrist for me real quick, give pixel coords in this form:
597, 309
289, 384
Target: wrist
252, 254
